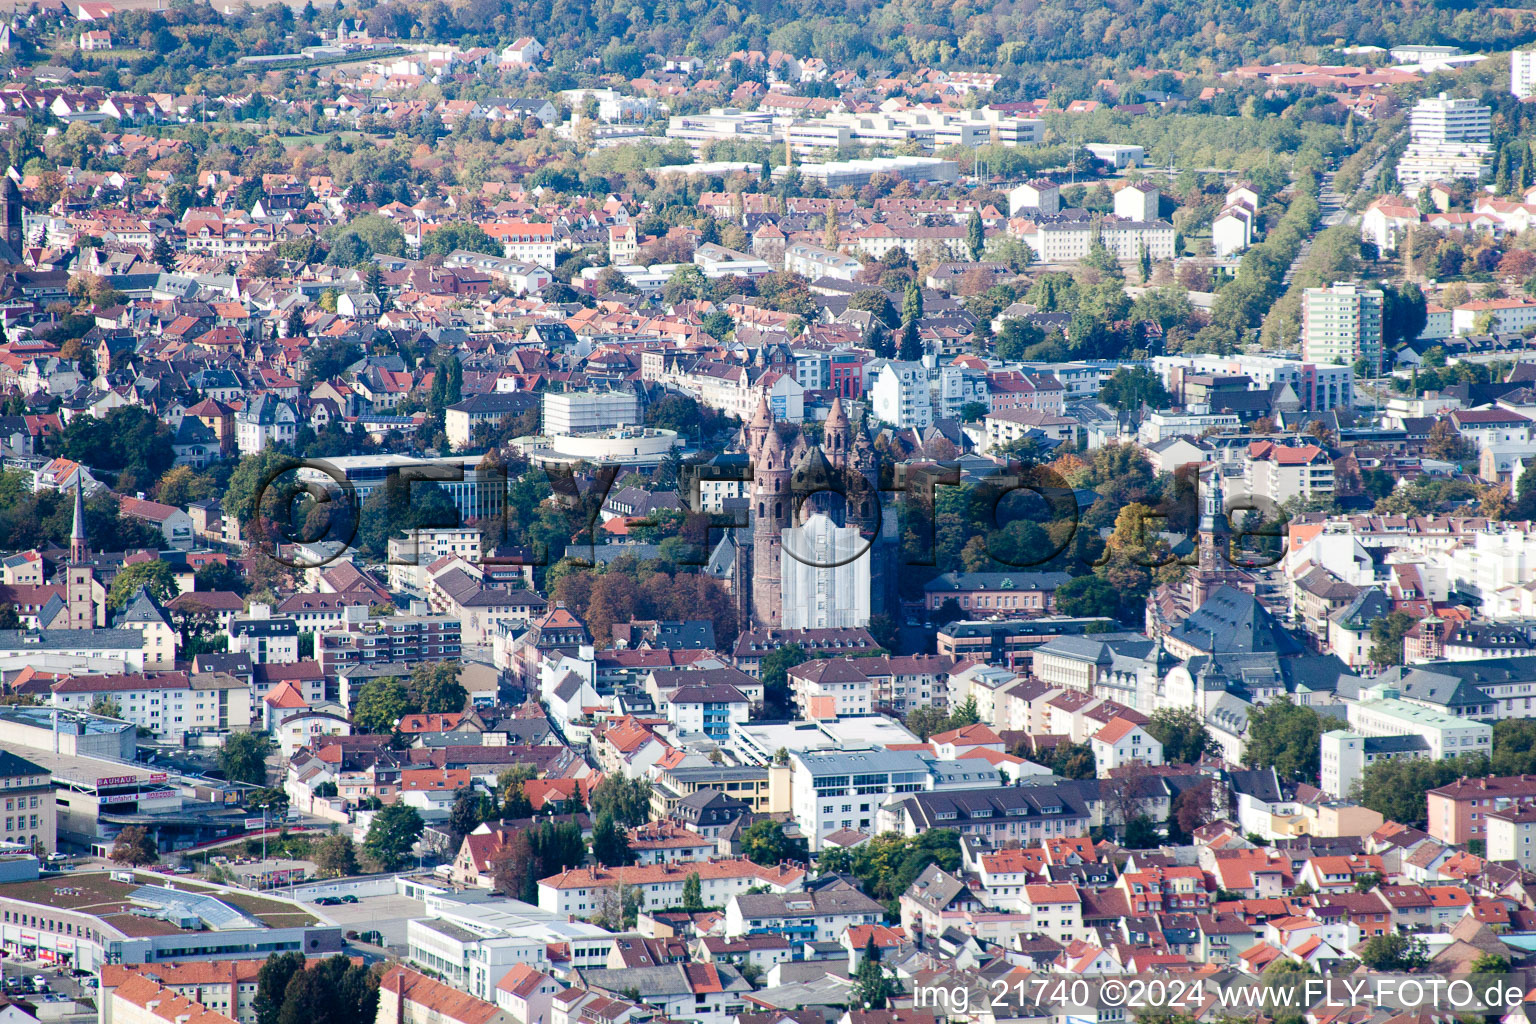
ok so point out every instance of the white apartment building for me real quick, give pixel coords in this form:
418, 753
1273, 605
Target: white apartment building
1441, 119
843, 789
1128, 239
831, 688
1341, 323
525, 242
1512, 832
583, 412
473, 945
1422, 163
584, 892
1381, 711
410, 555
1138, 202
812, 262
1055, 910
1281, 472
1066, 241
899, 395
1509, 315
1232, 231
172, 705
1522, 73
1345, 755
1319, 386
1162, 425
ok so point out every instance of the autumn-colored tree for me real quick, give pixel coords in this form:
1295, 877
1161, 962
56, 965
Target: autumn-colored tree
1445, 442
1493, 502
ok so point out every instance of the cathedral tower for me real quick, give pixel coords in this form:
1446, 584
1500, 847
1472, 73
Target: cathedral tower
771, 510
14, 243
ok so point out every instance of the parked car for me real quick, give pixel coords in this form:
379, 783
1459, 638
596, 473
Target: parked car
348, 899
328, 901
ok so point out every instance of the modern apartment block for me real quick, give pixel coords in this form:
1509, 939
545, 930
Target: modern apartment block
403, 640
1443, 120
1341, 324
1450, 139
1522, 73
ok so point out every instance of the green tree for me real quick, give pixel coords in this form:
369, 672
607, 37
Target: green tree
1131, 386
272, 982
1285, 735
467, 813
1394, 951
965, 713
773, 670
1141, 834
243, 757
155, 576
106, 707
391, 835
1087, 596
876, 302
1182, 734
434, 689
872, 986
693, 893
975, 235
335, 856
220, 576
1396, 787
912, 304
129, 440
162, 255
381, 702
764, 842
926, 720
451, 237
627, 800
610, 843
398, 508
135, 846
1387, 634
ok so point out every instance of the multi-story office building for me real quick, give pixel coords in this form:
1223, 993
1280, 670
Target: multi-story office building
1341, 324
843, 789
582, 412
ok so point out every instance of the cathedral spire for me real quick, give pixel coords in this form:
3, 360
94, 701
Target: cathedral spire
79, 550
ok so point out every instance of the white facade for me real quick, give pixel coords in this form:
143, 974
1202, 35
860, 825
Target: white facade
1341, 323
1522, 73
1138, 202
899, 395
838, 789
1127, 239
1381, 712
826, 570
1442, 119
1232, 231
581, 412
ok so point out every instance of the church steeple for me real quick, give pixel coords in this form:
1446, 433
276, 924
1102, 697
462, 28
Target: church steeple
79, 548
1213, 528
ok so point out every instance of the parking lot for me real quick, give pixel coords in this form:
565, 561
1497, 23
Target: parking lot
385, 914
61, 986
